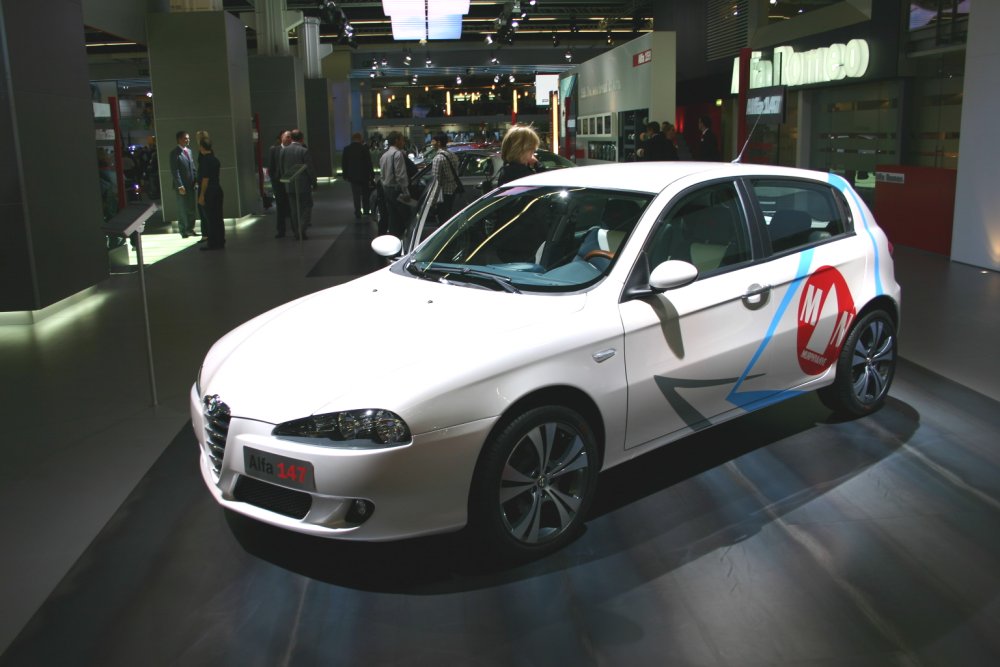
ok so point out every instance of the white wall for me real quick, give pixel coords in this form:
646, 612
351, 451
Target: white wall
611, 82
976, 234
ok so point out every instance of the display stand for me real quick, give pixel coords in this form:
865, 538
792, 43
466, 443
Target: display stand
128, 221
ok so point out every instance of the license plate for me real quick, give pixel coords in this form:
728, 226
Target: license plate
279, 469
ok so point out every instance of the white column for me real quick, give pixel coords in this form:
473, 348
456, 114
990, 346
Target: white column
272, 38
311, 52
976, 233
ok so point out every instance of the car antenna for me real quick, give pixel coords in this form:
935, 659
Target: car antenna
739, 158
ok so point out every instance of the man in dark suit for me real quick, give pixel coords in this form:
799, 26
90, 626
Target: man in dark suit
283, 212
708, 147
656, 147
356, 165
182, 172
300, 186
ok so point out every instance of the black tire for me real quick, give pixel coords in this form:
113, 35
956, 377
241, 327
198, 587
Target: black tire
534, 483
865, 367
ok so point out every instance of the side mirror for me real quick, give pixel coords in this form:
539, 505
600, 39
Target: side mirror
672, 274
387, 245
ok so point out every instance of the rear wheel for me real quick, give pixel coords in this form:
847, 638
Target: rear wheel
534, 483
865, 367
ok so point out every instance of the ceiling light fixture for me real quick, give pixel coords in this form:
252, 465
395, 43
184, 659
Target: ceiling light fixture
426, 19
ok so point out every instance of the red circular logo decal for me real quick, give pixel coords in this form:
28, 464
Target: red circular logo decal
826, 310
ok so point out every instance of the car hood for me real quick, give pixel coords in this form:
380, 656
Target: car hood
380, 341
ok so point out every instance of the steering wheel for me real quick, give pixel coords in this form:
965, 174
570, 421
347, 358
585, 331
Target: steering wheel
606, 254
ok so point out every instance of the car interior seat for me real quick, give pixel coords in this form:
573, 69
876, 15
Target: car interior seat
789, 228
710, 234
601, 243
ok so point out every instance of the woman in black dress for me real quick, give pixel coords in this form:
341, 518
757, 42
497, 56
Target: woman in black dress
518, 154
210, 194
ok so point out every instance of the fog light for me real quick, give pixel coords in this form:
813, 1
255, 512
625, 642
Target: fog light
361, 510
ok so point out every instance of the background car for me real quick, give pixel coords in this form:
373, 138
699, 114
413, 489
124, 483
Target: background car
549, 331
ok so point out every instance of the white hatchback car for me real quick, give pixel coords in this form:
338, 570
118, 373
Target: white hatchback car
554, 328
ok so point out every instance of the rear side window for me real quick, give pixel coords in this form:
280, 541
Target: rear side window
798, 213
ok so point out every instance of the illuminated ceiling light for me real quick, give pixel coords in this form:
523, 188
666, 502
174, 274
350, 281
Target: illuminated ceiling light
371, 74
555, 39
511, 78
611, 39
443, 7
458, 80
407, 58
444, 26
433, 19
409, 27
568, 55
428, 62
495, 60
489, 39
385, 62
532, 2
496, 78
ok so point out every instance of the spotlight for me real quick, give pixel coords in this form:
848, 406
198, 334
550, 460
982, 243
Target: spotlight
495, 60
428, 62
568, 55
489, 39
496, 78
611, 40
374, 64
555, 40
407, 58
458, 80
385, 62
371, 74
511, 78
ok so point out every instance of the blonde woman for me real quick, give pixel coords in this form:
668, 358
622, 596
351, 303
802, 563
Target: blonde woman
518, 154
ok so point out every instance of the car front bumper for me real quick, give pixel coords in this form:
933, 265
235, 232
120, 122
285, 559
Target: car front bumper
416, 489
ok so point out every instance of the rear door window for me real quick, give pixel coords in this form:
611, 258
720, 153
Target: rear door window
799, 213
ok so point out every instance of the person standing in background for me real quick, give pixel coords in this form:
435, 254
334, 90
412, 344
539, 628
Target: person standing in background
183, 174
300, 188
517, 150
445, 170
670, 134
395, 184
356, 165
282, 210
708, 147
210, 194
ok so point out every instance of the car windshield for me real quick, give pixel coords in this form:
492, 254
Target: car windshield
541, 239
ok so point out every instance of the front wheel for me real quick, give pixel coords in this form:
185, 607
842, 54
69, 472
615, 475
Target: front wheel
534, 483
865, 367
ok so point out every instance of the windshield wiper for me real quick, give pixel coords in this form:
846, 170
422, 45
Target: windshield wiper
503, 281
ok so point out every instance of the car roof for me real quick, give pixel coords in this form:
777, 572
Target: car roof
653, 177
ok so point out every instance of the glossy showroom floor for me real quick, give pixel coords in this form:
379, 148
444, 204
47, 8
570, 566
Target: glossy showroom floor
784, 538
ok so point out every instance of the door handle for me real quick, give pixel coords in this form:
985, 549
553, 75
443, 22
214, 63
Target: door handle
756, 296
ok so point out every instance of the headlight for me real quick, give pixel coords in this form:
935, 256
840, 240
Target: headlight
355, 428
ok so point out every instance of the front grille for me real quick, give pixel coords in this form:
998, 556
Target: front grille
217, 419
277, 499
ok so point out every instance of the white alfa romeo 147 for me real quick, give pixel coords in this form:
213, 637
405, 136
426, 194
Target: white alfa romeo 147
554, 328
